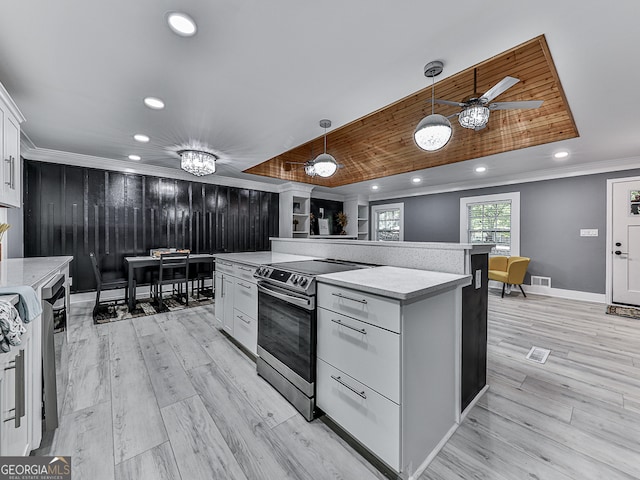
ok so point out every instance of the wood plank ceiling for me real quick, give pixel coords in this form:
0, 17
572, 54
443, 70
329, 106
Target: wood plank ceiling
381, 143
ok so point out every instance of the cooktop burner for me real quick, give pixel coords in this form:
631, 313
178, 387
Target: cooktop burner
300, 276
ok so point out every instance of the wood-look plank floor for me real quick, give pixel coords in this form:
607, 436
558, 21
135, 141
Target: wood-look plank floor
566, 419
169, 397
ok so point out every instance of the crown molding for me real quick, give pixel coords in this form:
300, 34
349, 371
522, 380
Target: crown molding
569, 171
337, 197
79, 160
295, 187
13, 108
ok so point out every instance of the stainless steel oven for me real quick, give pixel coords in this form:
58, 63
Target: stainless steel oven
287, 327
287, 344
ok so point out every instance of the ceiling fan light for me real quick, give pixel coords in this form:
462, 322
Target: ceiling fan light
310, 169
324, 165
197, 162
433, 132
474, 116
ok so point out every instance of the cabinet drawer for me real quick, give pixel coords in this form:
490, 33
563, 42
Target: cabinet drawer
367, 353
244, 271
371, 418
223, 266
380, 311
246, 297
245, 331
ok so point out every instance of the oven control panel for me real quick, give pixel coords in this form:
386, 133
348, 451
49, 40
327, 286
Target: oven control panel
285, 278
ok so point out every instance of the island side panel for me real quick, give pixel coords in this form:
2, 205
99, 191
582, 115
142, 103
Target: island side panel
430, 335
474, 332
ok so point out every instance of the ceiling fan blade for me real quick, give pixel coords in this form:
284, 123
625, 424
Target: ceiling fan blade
499, 88
448, 102
528, 104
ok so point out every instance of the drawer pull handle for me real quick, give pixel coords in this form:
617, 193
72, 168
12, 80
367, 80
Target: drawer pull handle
363, 301
359, 330
244, 320
343, 383
246, 269
245, 286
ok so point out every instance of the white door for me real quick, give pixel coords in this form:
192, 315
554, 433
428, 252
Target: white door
626, 243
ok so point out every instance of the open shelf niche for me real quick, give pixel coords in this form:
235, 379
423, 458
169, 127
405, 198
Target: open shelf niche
294, 212
357, 210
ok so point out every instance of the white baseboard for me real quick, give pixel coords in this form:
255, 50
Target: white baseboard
418, 471
557, 292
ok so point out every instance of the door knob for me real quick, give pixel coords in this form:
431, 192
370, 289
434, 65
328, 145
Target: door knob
618, 252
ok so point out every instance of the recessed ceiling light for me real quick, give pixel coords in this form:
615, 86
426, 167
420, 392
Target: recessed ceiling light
139, 137
481, 169
561, 154
374, 187
154, 103
416, 180
181, 24
134, 157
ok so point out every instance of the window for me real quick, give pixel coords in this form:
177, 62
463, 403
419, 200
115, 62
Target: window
492, 219
388, 222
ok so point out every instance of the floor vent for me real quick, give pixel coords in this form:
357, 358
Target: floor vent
538, 355
541, 281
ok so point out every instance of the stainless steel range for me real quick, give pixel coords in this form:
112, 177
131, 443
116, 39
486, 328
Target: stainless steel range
287, 327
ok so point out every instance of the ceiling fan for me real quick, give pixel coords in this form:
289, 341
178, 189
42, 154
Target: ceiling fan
476, 108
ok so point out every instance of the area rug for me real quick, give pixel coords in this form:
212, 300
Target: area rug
112, 312
624, 311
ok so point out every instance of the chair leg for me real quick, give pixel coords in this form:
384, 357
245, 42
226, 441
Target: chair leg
97, 305
525, 295
503, 287
186, 292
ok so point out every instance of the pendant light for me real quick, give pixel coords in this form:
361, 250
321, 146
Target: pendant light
434, 131
324, 165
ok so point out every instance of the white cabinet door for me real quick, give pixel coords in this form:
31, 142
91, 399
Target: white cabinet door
227, 309
12, 177
245, 331
219, 301
14, 440
371, 418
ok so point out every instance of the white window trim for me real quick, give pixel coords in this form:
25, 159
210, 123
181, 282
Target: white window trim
388, 206
515, 216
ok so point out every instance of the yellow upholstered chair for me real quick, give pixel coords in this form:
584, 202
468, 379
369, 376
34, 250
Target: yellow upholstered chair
508, 270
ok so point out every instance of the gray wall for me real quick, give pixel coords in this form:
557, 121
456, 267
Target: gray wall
552, 212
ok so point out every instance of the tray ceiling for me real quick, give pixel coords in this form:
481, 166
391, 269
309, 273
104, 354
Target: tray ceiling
381, 143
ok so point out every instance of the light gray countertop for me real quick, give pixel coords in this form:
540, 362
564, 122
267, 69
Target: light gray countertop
261, 258
395, 282
29, 271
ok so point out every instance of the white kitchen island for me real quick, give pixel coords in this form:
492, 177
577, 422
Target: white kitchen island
388, 366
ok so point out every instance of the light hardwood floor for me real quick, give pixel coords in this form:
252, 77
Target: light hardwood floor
169, 397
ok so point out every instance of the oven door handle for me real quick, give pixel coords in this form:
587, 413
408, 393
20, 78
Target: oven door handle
305, 302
